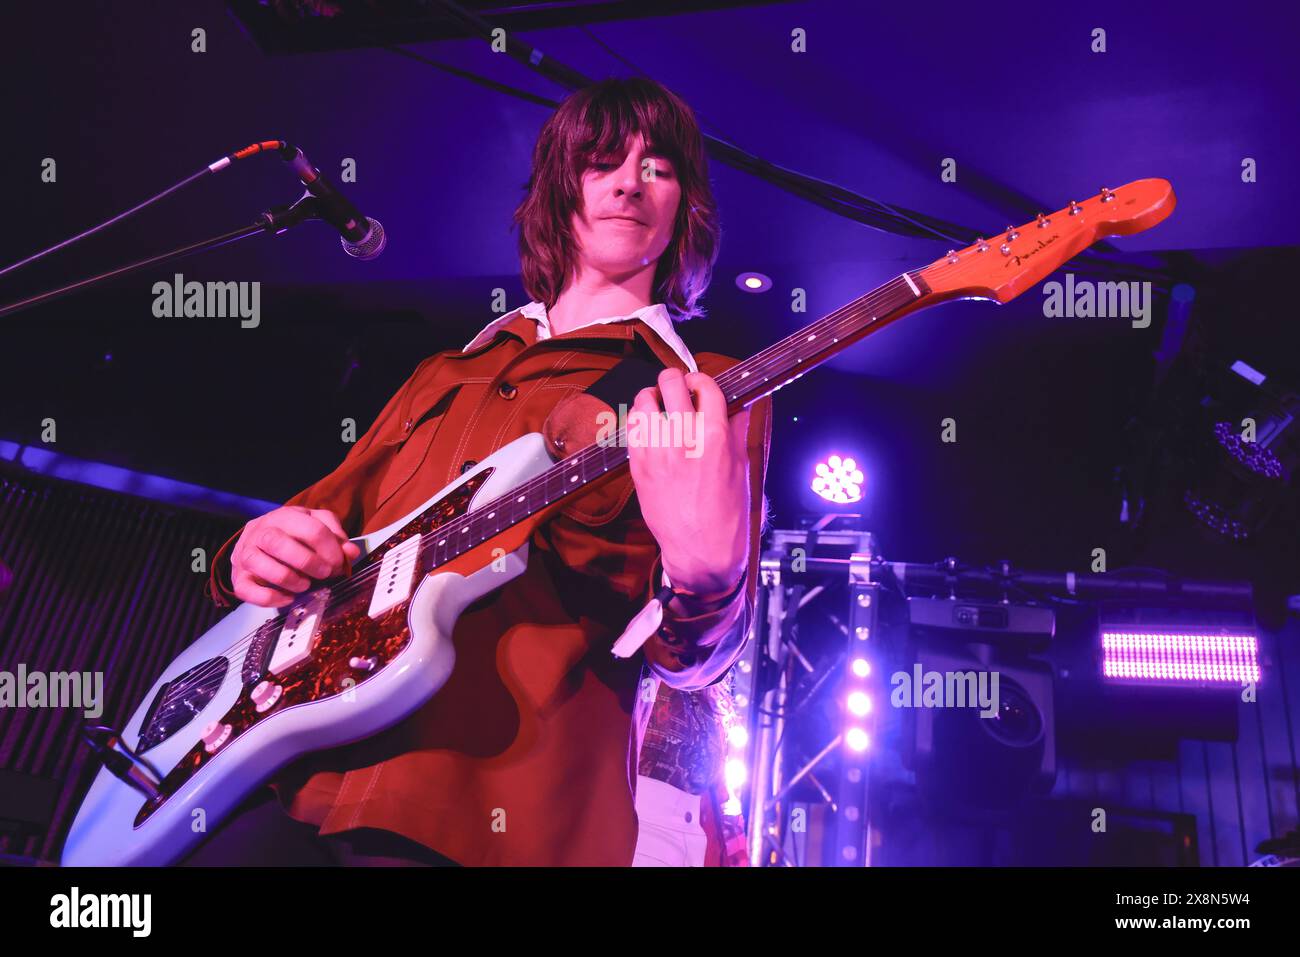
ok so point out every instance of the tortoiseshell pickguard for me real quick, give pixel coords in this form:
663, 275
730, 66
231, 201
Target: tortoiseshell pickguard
436, 515
346, 632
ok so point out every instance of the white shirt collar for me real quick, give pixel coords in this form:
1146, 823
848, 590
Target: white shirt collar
654, 315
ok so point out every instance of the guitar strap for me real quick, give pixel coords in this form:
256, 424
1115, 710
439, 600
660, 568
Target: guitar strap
628, 376
632, 373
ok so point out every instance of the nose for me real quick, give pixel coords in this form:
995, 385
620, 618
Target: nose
633, 189
629, 180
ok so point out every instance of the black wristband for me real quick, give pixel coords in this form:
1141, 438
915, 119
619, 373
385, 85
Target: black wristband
667, 593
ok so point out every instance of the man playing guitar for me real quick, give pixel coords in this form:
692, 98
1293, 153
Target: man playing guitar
528, 755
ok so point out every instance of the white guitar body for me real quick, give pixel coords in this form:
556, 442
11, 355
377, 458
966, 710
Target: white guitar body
106, 831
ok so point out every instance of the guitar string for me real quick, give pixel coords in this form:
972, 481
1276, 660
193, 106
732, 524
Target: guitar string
584, 457
847, 315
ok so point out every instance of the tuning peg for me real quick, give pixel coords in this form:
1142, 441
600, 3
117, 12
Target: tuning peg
1043, 221
952, 256
1075, 210
1106, 195
981, 245
1012, 234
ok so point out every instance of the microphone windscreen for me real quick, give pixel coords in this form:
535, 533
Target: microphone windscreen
371, 246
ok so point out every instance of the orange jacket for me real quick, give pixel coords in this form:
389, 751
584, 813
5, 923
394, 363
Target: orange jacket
528, 754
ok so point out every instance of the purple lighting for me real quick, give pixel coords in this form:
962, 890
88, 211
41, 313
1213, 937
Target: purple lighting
1166, 657
735, 773
753, 282
1215, 518
857, 739
838, 480
1257, 458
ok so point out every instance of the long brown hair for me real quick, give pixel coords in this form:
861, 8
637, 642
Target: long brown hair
597, 121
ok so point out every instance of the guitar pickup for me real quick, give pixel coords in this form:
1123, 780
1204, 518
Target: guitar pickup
293, 646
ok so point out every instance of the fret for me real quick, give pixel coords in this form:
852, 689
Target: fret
780, 363
742, 384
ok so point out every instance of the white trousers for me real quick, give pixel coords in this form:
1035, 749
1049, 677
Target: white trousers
670, 834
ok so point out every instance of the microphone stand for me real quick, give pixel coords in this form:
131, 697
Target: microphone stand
276, 220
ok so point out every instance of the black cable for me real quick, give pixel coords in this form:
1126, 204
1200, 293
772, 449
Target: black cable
250, 150
108, 222
473, 77
225, 238
617, 56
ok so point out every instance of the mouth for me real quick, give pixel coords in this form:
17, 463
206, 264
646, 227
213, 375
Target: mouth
624, 219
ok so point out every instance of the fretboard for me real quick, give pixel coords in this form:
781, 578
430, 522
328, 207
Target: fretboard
742, 384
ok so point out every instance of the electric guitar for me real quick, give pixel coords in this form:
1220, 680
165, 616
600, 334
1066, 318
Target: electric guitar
345, 661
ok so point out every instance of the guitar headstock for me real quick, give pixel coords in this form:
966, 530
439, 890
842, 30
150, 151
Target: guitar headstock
1003, 266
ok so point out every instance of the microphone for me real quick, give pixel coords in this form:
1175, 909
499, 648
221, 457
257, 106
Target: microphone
361, 236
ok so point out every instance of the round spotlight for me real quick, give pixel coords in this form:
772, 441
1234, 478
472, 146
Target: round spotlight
861, 667
857, 739
1019, 722
738, 736
838, 480
859, 703
753, 282
735, 774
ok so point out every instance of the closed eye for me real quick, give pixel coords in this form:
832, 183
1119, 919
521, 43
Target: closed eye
604, 167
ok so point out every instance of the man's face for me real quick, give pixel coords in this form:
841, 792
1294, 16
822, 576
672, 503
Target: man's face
629, 208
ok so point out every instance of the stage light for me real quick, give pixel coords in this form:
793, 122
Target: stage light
859, 703
1252, 456
857, 739
838, 480
753, 282
1248, 372
735, 773
1168, 657
861, 667
1255, 457
738, 736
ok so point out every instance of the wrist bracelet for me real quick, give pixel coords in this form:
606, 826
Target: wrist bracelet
668, 592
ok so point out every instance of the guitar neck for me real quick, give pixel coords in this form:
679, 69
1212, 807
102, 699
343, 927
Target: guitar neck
783, 362
999, 269
742, 384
